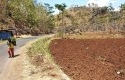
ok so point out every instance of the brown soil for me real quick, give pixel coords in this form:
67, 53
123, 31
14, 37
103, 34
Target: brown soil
90, 59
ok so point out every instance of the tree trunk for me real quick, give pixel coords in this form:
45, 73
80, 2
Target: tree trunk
63, 30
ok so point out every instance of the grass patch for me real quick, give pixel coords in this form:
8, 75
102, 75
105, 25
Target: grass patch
2, 41
41, 47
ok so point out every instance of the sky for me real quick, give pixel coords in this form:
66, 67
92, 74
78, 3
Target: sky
115, 3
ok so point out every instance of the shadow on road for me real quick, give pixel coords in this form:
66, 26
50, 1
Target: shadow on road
16, 55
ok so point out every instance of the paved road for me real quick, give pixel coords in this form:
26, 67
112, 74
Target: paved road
4, 48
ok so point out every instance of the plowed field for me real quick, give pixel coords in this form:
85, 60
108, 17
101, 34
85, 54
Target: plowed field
90, 59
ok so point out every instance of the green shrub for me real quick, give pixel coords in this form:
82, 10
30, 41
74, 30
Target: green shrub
41, 47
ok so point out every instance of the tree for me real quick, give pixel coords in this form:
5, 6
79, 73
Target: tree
3, 10
28, 14
122, 7
48, 8
110, 7
50, 18
61, 8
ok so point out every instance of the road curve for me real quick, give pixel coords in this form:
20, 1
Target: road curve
3, 50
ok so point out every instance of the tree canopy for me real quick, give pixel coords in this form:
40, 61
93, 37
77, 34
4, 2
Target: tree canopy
28, 14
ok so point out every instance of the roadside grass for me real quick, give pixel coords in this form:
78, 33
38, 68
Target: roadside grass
41, 47
2, 41
41, 63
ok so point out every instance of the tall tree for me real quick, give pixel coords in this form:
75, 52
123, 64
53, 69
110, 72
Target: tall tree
122, 7
50, 18
61, 8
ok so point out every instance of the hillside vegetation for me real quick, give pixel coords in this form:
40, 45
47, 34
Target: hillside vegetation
27, 16
79, 19
30, 17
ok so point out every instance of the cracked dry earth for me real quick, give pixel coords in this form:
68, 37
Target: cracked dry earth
90, 59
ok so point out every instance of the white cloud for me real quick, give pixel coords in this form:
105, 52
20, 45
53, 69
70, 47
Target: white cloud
56, 11
101, 2
117, 9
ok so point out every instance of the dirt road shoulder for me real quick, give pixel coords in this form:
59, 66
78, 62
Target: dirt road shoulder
20, 68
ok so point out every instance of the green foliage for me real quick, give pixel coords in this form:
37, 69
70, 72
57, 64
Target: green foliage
60, 34
61, 7
36, 17
51, 23
93, 18
41, 47
48, 8
28, 14
122, 7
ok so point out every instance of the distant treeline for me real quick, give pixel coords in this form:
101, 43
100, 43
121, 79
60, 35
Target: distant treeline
92, 18
30, 17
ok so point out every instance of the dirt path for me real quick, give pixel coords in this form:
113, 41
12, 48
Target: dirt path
20, 68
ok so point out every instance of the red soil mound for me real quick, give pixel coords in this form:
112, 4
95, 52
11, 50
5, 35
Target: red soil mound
90, 59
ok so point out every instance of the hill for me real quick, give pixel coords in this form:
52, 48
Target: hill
79, 19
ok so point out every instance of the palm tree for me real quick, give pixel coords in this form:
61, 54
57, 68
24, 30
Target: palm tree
61, 8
